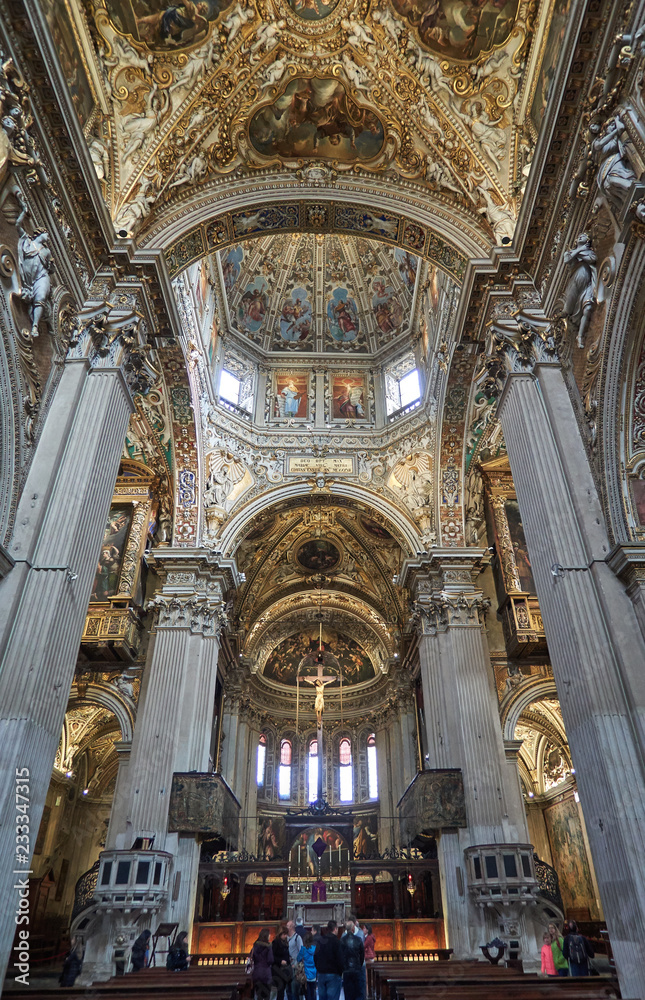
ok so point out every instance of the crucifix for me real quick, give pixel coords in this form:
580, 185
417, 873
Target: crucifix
319, 682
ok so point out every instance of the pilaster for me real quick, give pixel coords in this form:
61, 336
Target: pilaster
61, 520
595, 643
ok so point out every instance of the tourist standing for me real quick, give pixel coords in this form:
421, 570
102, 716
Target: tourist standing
262, 962
548, 965
329, 964
353, 957
282, 970
369, 944
557, 942
306, 956
73, 963
577, 949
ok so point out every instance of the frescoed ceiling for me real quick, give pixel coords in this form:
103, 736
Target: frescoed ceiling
445, 95
307, 293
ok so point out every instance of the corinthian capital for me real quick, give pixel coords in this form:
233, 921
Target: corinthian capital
197, 614
516, 342
446, 611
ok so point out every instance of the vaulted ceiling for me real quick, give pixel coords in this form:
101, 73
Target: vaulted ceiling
443, 97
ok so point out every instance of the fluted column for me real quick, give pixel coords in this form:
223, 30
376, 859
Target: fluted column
464, 731
43, 600
595, 643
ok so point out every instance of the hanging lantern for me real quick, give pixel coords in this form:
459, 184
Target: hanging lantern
411, 887
225, 890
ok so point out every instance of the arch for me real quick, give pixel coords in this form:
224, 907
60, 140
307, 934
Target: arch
119, 704
209, 219
403, 524
517, 701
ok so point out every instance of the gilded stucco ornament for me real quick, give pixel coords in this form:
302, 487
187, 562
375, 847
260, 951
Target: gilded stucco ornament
189, 111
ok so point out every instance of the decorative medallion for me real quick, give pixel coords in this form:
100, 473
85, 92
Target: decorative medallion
318, 555
315, 117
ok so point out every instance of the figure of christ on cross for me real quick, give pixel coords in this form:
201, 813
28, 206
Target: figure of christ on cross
319, 682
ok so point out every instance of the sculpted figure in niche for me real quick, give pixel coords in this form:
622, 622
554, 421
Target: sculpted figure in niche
580, 294
35, 263
615, 173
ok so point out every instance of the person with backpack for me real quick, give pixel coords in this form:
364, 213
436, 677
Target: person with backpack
557, 942
261, 962
306, 956
177, 960
577, 949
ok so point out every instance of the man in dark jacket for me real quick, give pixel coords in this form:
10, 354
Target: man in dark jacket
328, 963
352, 954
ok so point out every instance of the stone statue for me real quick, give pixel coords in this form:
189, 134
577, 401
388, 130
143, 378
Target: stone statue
580, 294
615, 173
35, 264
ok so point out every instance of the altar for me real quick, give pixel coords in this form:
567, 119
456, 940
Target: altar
317, 913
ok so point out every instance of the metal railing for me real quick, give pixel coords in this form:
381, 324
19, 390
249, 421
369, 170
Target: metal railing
84, 889
548, 882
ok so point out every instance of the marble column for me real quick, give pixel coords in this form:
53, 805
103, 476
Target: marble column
595, 643
172, 734
43, 601
464, 731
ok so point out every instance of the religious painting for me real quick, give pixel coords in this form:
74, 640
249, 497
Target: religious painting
312, 10
348, 394
318, 555
342, 316
408, 265
272, 837
291, 395
162, 25
254, 304
460, 29
231, 265
315, 117
365, 220
638, 493
365, 836
388, 311
296, 316
375, 529
518, 541
106, 581
265, 219
319, 851
71, 59
548, 67
283, 662
569, 855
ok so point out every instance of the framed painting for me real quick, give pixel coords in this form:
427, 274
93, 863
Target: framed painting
349, 396
113, 546
291, 396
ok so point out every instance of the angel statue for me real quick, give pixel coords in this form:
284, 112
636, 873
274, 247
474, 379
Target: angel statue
580, 294
35, 264
615, 173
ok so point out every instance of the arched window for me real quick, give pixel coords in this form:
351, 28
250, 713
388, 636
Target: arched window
372, 774
262, 757
313, 771
284, 771
345, 769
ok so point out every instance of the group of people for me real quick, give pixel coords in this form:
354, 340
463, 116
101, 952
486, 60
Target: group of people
176, 960
566, 954
299, 961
